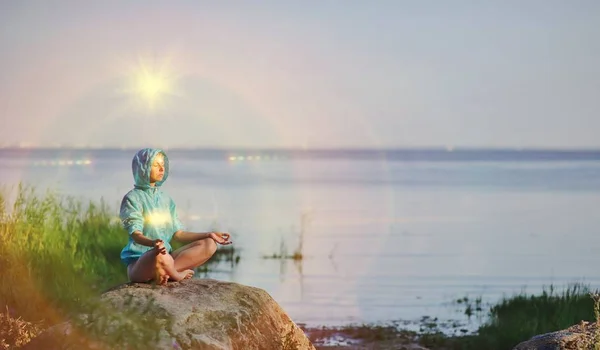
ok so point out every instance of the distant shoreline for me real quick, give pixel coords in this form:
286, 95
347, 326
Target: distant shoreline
389, 154
311, 149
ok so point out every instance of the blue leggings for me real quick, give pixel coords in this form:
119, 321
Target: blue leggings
129, 261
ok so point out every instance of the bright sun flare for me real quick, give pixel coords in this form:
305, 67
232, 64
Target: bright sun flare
150, 86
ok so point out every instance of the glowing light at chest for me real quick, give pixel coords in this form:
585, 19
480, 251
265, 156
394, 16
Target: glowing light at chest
158, 218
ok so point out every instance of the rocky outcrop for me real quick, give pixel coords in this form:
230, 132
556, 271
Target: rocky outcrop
192, 314
581, 337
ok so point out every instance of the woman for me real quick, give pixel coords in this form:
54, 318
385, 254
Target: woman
149, 215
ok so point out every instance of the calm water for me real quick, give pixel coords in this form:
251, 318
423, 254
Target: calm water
392, 236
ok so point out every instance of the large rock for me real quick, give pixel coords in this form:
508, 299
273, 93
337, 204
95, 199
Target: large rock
194, 314
578, 337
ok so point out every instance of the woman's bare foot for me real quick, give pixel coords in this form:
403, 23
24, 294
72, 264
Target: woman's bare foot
188, 274
183, 275
164, 269
163, 280
161, 276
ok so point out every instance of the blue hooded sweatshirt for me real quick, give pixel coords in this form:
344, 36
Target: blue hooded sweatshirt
146, 208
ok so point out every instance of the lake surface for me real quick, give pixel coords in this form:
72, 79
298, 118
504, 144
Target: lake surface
392, 235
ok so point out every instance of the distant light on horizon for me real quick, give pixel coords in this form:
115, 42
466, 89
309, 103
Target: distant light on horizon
252, 158
63, 162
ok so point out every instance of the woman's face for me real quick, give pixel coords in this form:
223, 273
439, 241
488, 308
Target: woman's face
157, 171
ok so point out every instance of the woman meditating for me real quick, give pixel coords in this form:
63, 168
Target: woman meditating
150, 217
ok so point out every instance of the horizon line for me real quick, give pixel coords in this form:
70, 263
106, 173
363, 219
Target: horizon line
313, 149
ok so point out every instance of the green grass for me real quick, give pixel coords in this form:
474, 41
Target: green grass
521, 317
518, 318
54, 252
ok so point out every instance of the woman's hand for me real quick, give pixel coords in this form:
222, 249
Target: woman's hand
220, 237
159, 247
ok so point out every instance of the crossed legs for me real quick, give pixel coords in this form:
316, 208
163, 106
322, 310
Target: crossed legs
175, 266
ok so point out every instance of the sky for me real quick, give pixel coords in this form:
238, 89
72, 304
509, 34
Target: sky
301, 74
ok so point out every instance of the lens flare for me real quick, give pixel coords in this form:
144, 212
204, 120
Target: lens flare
150, 84
158, 218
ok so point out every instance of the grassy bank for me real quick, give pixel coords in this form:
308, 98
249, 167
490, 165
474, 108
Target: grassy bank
522, 316
55, 252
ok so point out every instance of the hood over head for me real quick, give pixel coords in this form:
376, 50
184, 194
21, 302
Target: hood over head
142, 164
